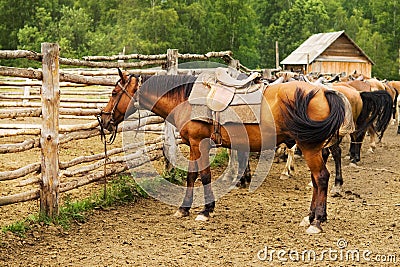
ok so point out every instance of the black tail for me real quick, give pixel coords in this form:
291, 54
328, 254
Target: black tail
308, 131
395, 102
376, 112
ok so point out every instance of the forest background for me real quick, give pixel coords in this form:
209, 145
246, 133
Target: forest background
248, 28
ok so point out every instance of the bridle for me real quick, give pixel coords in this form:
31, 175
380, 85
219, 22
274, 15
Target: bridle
112, 112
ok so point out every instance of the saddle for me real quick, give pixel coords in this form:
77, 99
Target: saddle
218, 90
223, 88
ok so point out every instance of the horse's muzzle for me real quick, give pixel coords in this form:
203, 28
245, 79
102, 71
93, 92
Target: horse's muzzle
105, 122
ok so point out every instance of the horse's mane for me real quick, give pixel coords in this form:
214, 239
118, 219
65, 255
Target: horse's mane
168, 86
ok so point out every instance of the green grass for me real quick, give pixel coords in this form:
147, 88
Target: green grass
175, 176
221, 158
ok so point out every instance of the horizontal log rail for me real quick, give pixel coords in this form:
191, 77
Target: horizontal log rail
64, 77
21, 172
36, 112
90, 158
35, 167
32, 104
37, 97
138, 154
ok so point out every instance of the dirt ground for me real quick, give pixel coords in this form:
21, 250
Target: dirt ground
259, 228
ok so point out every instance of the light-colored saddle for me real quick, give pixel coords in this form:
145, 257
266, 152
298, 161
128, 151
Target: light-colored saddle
227, 80
223, 87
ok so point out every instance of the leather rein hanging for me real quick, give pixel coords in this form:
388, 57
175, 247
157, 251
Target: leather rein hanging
114, 132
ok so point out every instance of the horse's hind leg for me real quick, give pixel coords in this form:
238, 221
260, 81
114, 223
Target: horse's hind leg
372, 137
289, 167
355, 147
337, 156
244, 173
320, 180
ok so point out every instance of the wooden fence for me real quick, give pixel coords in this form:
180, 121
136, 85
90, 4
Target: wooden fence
46, 99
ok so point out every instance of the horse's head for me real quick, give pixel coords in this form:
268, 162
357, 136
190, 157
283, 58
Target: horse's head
121, 102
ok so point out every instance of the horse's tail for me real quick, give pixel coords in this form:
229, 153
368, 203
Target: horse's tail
376, 112
308, 131
396, 96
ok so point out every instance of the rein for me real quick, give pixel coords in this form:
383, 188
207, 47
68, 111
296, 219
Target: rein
115, 129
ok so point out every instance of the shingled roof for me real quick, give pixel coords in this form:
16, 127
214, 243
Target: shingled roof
314, 46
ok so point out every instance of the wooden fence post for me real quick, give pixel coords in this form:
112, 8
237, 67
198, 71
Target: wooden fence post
50, 94
170, 146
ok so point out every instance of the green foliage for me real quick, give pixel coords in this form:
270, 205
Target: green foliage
19, 228
248, 28
121, 190
175, 176
220, 159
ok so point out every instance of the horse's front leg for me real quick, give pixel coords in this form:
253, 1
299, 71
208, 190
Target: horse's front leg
188, 199
320, 179
203, 163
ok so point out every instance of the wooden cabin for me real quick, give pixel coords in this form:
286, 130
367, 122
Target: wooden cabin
329, 53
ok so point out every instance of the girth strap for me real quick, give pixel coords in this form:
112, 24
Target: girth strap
216, 134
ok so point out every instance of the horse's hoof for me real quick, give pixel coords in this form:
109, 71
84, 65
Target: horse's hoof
180, 214
336, 191
313, 230
202, 218
352, 164
305, 222
310, 184
240, 186
371, 150
284, 176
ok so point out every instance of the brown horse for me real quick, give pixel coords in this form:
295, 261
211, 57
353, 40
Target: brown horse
373, 85
370, 110
396, 87
308, 114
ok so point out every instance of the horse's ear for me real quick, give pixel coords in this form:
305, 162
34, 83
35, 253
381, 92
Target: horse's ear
121, 75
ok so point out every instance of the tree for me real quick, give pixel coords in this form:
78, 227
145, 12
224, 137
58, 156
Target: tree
294, 26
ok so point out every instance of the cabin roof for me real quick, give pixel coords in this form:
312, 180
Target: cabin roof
314, 46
